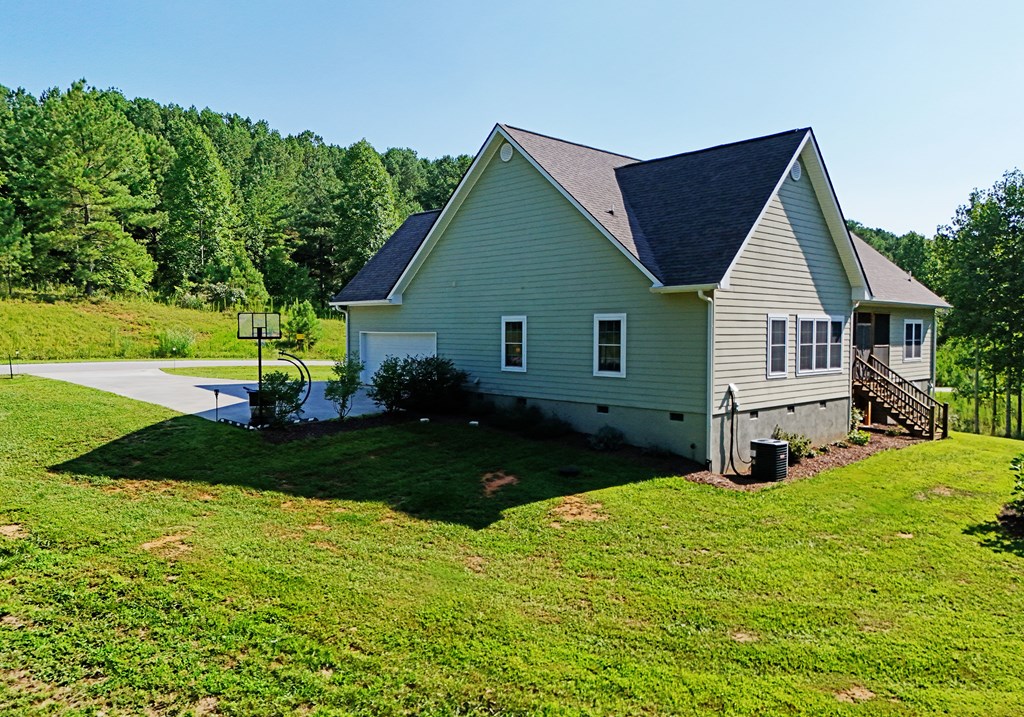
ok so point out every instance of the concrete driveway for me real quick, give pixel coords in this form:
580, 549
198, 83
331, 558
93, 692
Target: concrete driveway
144, 381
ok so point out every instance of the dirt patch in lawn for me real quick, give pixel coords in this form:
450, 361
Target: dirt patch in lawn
169, 546
576, 507
493, 482
855, 694
14, 530
743, 637
475, 564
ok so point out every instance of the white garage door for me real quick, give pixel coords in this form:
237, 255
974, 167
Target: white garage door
375, 346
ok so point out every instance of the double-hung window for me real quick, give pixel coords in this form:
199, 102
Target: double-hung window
610, 345
913, 336
513, 343
821, 344
778, 334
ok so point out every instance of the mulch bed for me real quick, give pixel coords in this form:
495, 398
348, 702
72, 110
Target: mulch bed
657, 462
835, 458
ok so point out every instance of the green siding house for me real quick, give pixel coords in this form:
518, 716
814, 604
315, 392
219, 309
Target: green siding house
693, 301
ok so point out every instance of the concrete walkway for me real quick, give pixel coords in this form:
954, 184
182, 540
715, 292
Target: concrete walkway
144, 381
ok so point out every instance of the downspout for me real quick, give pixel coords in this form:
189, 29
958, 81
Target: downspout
344, 313
710, 374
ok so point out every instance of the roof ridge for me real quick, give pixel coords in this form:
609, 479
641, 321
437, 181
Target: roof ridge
720, 146
425, 211
566, 141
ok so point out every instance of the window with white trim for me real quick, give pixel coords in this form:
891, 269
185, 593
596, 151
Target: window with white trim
778, 333
513, 343
820, 341
610, 345
913, 337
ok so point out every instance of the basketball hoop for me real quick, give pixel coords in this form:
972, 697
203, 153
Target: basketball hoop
259, 326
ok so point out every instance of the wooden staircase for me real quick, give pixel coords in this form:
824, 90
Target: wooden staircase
911, 407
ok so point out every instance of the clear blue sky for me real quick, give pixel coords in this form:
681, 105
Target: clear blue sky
914, 103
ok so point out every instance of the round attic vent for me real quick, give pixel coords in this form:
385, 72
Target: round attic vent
506, 152
796, 171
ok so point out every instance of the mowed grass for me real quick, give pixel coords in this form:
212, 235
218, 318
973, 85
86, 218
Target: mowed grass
248, 373
63, 330
160, 562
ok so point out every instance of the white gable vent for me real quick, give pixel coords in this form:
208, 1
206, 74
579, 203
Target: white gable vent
506, 152
796, 171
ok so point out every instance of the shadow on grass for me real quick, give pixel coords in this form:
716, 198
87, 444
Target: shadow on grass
1003, 535
428, 471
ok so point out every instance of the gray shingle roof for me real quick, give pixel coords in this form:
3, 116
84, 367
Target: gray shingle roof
376, 279
696, 209
890, 283
683, 218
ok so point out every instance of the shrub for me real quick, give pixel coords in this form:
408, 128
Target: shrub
345, 383
799, 445
607, 439
893, 431
283, 394
856, 418
175, 344
1017, 468
435, 385
421, 383
859, 438
302, 321
390, 384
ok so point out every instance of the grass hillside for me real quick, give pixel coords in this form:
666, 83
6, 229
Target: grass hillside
152, 563
62, 330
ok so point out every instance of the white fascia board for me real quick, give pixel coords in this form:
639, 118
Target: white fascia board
818, 176
764, 210
579, 207
396, 301
684, 288
822, 185
483, 157
881, 303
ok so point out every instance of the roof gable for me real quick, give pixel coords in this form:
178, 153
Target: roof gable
681, 220
697, 209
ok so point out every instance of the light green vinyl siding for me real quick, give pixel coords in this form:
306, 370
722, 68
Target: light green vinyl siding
913, 370
789, 267
517, 247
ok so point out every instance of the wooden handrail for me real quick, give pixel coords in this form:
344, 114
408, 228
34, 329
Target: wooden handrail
892, 388
911, 388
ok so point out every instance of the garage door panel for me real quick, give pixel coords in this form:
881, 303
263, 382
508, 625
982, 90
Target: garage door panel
375, 346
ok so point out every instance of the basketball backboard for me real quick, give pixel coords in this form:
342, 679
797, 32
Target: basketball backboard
259, 325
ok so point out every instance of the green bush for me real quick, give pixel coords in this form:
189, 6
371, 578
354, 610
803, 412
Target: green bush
345, 383
302, 321
1017, 468
799, 445
175, 344
607, 439
283, 394
859, 438
428, 384
856, 418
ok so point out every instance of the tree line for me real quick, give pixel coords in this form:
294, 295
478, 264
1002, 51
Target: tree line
101, 193
976, 262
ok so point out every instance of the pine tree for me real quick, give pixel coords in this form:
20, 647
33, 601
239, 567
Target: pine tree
366, 209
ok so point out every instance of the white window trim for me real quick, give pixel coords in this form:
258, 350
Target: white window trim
842, 345
768, 350
505, 320
598, 318
919, 322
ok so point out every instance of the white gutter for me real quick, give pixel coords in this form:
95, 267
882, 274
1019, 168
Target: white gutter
685, 288
710, 371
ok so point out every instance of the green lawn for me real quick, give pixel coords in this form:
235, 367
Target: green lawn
246, 373
128, 329
157, 560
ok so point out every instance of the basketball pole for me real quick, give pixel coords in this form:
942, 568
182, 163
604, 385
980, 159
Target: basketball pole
259, 365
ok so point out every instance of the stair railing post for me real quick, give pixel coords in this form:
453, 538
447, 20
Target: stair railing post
945, 420
931, 422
